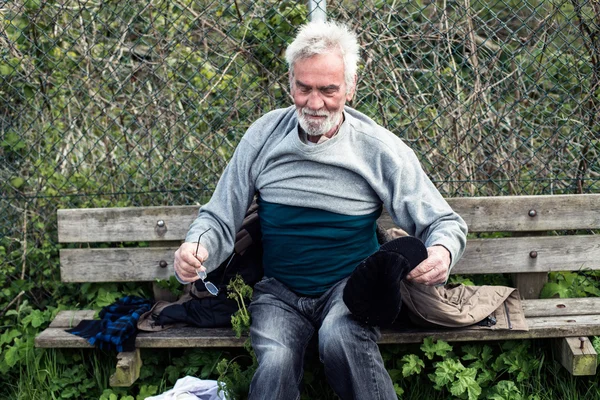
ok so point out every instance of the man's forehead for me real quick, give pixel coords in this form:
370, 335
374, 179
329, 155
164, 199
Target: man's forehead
326, 68
331, 60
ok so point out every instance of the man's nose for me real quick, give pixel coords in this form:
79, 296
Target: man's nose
315, 102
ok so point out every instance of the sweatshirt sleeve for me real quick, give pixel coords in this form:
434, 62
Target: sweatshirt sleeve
225, 211
418, 207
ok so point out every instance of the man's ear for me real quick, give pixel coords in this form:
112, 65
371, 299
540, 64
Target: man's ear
350, 93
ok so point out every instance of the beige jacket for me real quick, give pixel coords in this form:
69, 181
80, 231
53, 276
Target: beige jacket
457, 306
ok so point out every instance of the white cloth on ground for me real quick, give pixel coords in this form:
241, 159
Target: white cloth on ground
192, 388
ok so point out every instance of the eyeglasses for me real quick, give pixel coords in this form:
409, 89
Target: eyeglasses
212, 289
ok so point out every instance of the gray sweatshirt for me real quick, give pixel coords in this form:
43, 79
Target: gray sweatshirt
353, 173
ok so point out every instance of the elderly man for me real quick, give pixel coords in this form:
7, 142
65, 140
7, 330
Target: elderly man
323, 172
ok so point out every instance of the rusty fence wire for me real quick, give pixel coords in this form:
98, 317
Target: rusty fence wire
128, 103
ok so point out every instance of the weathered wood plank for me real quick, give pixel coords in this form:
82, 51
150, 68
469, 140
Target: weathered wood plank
58, 337
190, 337
128, 224
174, 337
482, 214
539, 327
70, 318
547, 327
511, 213
116, 265
514, 255
561, 307
530, 284
482, 256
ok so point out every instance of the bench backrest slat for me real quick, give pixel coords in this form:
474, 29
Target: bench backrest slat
141, 264
482, 214
482, 256
511, 213
129, 224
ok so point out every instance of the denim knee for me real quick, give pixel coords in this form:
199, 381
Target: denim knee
280, 359
341, 335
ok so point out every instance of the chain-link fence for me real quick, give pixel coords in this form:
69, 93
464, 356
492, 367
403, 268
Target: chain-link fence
119, 103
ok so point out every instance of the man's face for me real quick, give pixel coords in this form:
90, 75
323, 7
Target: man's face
319, 92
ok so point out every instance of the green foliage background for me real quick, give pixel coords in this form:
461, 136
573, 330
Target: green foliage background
123, 103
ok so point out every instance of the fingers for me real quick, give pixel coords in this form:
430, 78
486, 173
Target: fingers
433, 270
428, 273
187, 262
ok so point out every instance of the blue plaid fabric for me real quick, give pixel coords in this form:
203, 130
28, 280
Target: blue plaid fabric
117, 326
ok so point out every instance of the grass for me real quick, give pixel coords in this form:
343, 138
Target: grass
83, 374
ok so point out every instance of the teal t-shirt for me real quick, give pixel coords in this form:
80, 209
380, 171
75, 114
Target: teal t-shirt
310, 250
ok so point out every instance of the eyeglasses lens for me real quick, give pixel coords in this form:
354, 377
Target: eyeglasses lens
212, 289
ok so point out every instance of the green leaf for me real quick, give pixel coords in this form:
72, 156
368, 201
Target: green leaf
506, 390
551, 289
412, 365
445, 371
596, 344
431, 348
108, 394
471, 352
465, 382
592, 290
32, 4
13, 140
8, 336
399, 391
6, 69
485, 376
172, 373
106, 298
11, 356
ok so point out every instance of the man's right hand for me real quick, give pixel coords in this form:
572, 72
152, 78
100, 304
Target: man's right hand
187, 262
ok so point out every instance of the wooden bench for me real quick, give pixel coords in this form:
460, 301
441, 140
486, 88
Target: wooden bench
542, 241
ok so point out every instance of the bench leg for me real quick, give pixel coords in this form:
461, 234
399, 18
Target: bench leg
530, 284
577, 355
128, 369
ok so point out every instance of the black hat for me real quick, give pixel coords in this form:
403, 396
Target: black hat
372, 292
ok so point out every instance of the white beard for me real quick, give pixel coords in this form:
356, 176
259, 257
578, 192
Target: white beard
313, 128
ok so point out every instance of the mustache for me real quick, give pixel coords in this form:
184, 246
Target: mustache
315, 113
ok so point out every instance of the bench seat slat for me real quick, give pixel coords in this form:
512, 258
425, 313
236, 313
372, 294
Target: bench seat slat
546, 318
59, 338
539, 328
70, 318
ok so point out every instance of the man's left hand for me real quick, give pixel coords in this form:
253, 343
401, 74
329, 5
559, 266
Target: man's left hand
434, 269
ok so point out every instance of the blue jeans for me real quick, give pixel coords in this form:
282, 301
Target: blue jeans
282, 326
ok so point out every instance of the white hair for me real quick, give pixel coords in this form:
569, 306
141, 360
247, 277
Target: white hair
321, 38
